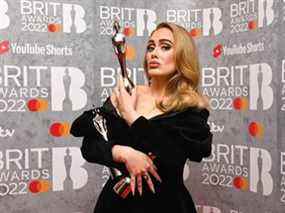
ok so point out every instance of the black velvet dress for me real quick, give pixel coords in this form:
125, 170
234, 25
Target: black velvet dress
172, 137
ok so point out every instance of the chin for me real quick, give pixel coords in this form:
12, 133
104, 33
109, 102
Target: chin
154, 71
157, 73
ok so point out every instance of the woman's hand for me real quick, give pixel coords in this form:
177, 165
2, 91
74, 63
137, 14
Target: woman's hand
138, 164
124, 102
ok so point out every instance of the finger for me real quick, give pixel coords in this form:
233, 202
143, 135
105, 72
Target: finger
121, 88
114, 97
117, 95
149, 182
155, 174
155, 167
118, 80
134, 92
121, 83
133, 184
139, 183
151, 155
116, 92
151, 164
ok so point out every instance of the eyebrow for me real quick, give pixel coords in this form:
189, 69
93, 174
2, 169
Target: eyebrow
160, 41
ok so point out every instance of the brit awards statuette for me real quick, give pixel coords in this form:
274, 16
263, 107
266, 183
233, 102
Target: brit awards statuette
122, 187
119, 45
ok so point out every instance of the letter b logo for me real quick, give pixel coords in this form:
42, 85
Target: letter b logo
4, 19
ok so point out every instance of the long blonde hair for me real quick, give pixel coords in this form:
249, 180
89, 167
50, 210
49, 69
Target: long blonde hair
182, 88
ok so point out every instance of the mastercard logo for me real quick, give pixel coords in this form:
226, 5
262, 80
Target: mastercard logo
196, 32
240, 103
130, 52
218, 50
256, 129
38, 186
252, 25
240, 183
129, 31
59, 129
37, 105
54, 28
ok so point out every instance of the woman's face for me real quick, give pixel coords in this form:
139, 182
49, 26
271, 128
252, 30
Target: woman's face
160, 54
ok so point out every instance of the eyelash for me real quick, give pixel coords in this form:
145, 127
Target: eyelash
163, 47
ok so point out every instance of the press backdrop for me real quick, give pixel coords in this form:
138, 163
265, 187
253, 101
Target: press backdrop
56, 60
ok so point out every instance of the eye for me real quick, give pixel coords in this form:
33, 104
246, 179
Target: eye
166, 47
150, 48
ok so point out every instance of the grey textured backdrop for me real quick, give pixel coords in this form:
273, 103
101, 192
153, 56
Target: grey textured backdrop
241, 48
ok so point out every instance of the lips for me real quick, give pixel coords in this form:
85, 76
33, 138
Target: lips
154, 64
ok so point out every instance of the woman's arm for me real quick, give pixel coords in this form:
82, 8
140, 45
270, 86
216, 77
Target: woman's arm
95, 148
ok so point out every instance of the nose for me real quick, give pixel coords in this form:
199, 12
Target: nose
154, 53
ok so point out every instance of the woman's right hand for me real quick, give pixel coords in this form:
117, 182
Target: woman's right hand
138, 165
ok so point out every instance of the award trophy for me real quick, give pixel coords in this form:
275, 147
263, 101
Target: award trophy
119, 45
122, 187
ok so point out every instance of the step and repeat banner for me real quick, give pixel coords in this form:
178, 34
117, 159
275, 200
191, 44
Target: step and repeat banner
57, 60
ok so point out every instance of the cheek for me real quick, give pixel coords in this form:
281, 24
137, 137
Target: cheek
147, 56
169, 59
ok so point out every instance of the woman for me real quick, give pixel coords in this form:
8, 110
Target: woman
159, 127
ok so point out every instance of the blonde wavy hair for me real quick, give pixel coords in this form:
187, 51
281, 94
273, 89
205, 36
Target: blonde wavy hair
182, 87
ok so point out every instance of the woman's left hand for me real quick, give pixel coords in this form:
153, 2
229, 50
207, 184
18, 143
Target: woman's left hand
125, 102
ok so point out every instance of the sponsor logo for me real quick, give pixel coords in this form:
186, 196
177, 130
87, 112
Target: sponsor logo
4, 46
199, 22
66, 89
67, 169
218, 50
240, 87
241, 167
37, 49
256, 129
4, 18
4, 133
59, 129
135, 21
37, 105
215, 128
27, 88
108, 78
39, 16
29, 170
238, 49
251, 14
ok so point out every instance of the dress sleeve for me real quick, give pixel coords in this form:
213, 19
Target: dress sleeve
83, 125
173, 140
94, 149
